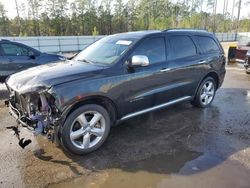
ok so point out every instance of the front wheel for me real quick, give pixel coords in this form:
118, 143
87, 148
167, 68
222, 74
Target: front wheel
85, 129
205, 94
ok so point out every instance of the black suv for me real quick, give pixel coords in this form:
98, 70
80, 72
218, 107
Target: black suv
15, 57
116, 78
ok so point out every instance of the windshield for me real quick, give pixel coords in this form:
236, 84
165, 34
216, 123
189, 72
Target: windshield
105, 51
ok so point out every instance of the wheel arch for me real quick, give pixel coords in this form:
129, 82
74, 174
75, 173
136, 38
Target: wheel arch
103, 101
215, 76
212, 74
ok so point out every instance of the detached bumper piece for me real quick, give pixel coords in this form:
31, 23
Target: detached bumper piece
15, 113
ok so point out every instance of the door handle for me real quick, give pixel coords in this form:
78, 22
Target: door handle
165, 69
202, 62
10, 60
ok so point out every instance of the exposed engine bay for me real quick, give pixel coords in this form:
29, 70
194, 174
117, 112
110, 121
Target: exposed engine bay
36, 111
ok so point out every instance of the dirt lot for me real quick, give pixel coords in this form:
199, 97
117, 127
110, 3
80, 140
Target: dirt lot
177, 147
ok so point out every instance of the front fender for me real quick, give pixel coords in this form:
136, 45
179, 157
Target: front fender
69, 94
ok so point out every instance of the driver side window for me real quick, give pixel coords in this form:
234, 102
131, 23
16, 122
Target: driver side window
153, 48
14, 50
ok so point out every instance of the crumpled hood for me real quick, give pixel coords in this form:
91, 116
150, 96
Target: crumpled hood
48, 75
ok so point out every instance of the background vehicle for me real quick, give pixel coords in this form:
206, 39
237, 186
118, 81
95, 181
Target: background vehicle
15, 57
247, 62
238, 53
117, 78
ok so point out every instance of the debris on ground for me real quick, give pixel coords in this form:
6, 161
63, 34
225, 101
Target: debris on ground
16, 131
22, 142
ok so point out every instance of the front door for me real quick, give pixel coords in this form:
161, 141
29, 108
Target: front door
144, 84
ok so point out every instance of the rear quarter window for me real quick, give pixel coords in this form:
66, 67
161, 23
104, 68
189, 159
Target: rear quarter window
207, 44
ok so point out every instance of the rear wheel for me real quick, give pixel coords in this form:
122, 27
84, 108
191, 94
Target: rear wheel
205, 94
86, 129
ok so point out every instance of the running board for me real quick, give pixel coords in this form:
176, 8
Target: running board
155, 107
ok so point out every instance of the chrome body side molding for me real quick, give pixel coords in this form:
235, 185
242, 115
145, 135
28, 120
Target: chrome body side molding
155, 107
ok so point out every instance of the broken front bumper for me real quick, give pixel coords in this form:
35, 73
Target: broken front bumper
23, 120
30, 124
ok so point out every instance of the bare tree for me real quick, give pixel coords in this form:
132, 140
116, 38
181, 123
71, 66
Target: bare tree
224, 14
238, 19
214, 14
4, 29
34, 7
18, 18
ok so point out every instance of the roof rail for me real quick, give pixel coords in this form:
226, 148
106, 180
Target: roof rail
185, 29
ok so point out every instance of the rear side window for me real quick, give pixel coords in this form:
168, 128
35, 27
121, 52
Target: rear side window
153, 48
207, 44
181, 47
14, 50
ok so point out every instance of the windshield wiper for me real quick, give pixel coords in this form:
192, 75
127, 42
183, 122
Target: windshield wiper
90, 62
84, 60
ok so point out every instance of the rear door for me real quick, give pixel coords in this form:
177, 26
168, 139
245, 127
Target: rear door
211, 52
3, 63
183, 73
16, 57
5, 66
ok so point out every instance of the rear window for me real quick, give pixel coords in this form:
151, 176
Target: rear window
207, 44
181, 47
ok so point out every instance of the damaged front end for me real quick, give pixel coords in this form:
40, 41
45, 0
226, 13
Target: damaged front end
35, 110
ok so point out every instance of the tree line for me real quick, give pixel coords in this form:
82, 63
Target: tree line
94, 17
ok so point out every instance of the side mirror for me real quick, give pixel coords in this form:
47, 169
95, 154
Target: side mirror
139, 60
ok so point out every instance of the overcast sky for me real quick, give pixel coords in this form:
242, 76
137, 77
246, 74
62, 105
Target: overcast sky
245, 11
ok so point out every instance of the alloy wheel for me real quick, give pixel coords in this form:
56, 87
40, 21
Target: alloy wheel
207, 93
87, 129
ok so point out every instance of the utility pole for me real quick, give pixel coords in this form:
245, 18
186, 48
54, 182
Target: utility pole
238, 20
18, 18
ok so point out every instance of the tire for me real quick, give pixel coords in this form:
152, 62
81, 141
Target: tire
199, 100
81, 135
2, 79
